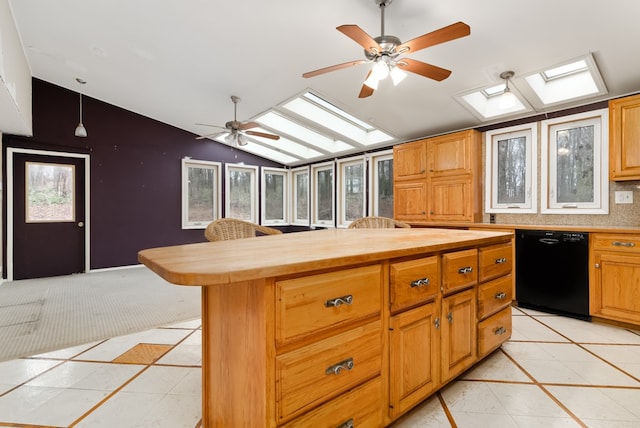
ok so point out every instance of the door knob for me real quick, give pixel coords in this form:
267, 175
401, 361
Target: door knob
80, 224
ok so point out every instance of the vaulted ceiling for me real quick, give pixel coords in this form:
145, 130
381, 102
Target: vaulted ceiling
180, 61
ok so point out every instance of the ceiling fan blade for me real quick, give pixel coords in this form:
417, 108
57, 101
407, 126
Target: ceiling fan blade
333, 68
424, 69
263, 135
445, 34
366, 91
248, 125
359, 36
212, 136
213, 126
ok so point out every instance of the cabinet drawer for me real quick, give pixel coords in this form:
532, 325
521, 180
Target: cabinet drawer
459, 269
414, 281
494, 295
494, 331
313, 374
609, 242
319, 302
359, 407
495, 261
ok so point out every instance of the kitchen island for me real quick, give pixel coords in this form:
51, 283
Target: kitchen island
340, 327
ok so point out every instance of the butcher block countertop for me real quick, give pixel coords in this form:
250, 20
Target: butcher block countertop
225, 262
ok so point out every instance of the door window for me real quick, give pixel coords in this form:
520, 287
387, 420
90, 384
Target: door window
49, 192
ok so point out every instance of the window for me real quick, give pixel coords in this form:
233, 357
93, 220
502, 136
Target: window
323, 208
575, 164
241, 188
381, 184
49, 192
275, 196
200, 193
510, 169
352, 190
300, 196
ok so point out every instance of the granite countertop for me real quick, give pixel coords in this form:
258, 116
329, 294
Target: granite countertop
498, 226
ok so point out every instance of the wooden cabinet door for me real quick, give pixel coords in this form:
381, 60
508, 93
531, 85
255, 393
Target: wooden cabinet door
450, 154
410, 200
624, 138
616, 286
450, 199
413, 353
458, 334
410, 161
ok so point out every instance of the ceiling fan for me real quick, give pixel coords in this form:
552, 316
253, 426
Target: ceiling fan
236, 130
384, 51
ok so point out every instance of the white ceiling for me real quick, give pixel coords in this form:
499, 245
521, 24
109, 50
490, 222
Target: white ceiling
179, 61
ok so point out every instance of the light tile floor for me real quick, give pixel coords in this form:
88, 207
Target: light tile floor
554, 372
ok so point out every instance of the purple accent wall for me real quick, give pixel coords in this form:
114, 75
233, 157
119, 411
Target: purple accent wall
135, 176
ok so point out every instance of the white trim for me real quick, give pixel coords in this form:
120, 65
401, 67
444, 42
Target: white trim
254, 189
217, 212
87, 214
285, 196
600, 205
374, 185
341, 198
491, 204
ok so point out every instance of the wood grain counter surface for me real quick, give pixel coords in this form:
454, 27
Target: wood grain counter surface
225, 262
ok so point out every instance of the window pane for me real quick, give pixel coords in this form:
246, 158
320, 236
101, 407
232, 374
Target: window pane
302, 196
325, 194
274, 196
240, 185
50, 192
385, 188
353, 191
575, 164
201, 194
512, 170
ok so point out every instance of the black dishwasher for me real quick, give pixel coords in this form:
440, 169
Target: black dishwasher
552, 273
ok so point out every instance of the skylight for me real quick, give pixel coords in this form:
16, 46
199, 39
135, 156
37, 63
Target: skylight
311, 129
563, 83
574, 80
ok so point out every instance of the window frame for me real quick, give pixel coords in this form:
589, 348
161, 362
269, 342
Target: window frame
600, 205
253, 170
315, 169
374, 185
341, 187
264, 197
295, 172
217, 206
530, 205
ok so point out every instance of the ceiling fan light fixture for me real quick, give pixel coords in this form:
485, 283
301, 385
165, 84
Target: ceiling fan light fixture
372, 81
507, 99
242, 140
397, 75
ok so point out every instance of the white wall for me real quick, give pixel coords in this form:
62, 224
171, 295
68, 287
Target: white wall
15, 78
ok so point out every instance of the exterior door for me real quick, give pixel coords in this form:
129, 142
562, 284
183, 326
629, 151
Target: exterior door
48, 221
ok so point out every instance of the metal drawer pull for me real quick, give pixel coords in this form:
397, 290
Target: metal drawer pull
623, 244
450, 317
501, 260
420, 282
338, 301
501, 295
500, 331
337, 368
347, 424
465, 270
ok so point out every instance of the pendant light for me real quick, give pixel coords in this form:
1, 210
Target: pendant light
81, 131
507, 99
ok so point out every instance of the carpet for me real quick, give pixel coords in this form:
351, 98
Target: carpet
47, 314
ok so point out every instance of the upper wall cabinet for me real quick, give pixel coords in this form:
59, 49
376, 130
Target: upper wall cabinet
438, 179
624, 138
